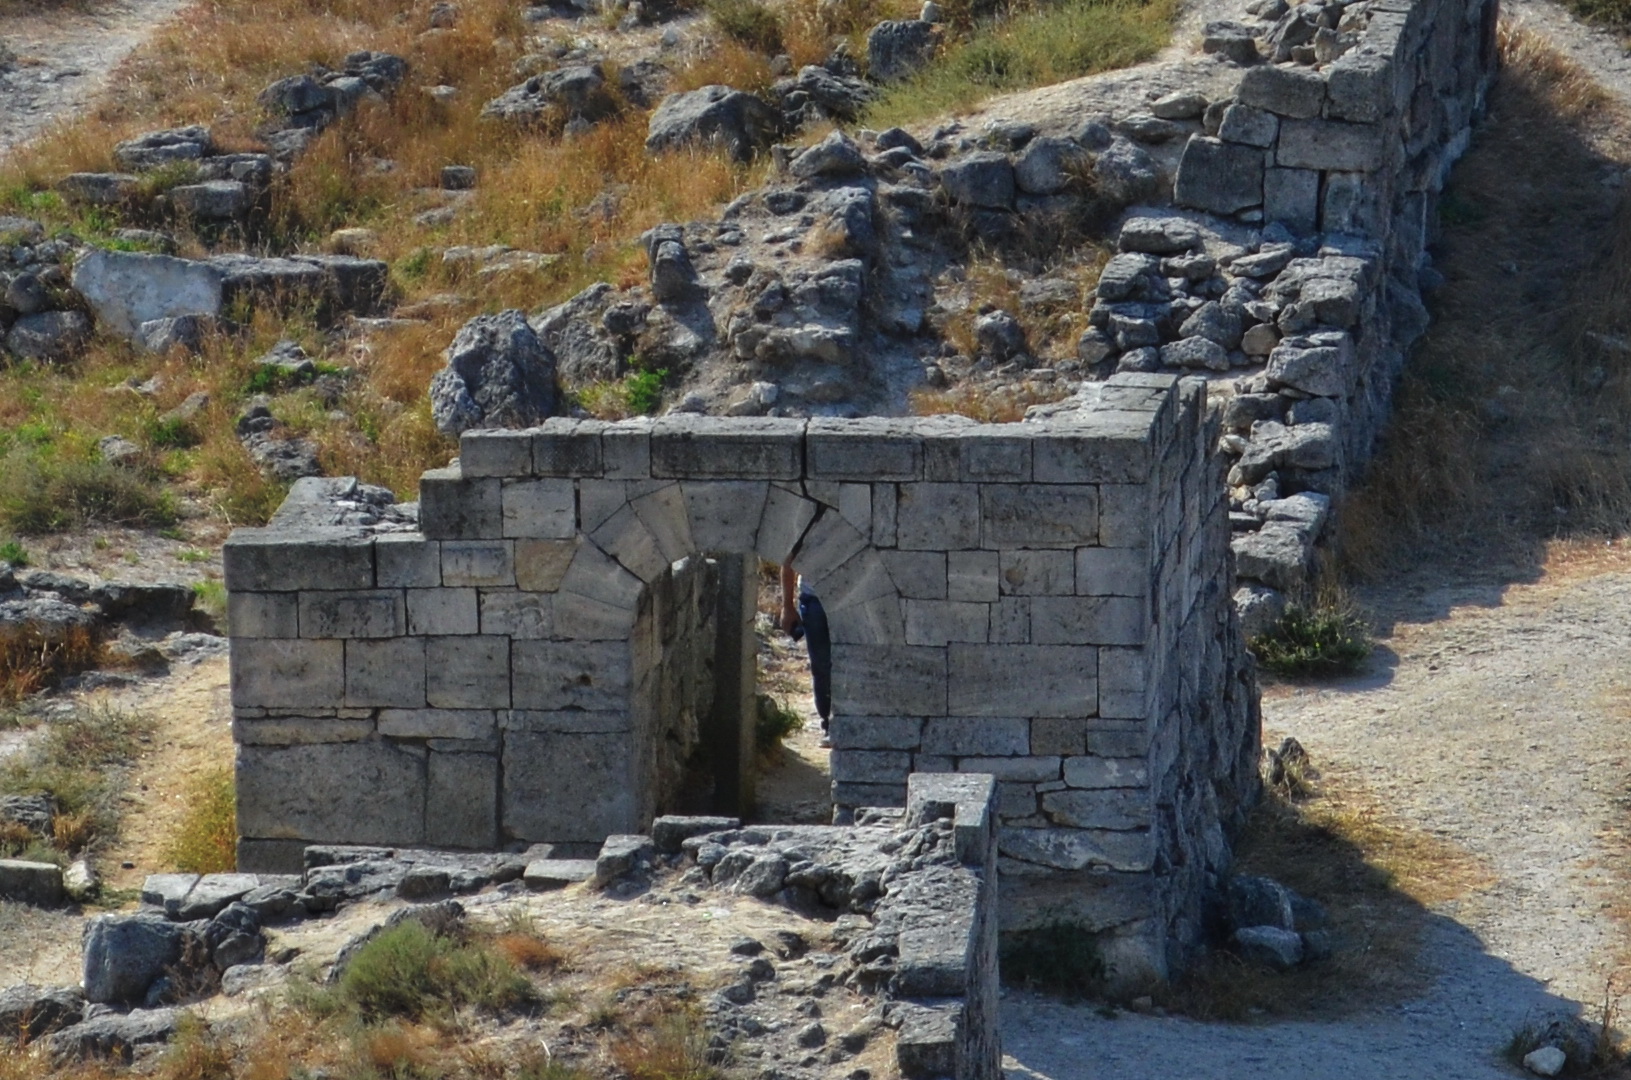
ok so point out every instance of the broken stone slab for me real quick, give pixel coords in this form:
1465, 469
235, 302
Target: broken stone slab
498, 374
99, 189
210, 895
620, 855
113, 1036
1277, 555
34, 883
162, 890
124, 954
897, 48
1218, 176
984, 179
1259, 607
669, 833
166, 147
213, 200
741, 123
126, 289
546, 875
28, 1012
1280, 949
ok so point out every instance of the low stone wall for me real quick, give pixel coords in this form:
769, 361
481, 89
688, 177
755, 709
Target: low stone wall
1042, 601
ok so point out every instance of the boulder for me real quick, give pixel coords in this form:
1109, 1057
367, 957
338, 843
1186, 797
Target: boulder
1259, 901
1000, 336
1126, 172
673, 278
819, 94
118, 450
99, 189
125, 954
50, 620
1279, 949
113, 1035
36, 813
498, 374
569, 93
836, 155
298, 97
27, 1012
186, 332
1219, 177
984, 179
158, 148
125, 289
26, 295
1044, 166
1159, 235
213, 200
1259, 607
897, 48
741, 123
49, 335
34, 883
1277, 555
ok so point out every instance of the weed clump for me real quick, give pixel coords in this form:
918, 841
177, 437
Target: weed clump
41, 495
80, 762
1321, 640
206, 841
775, 723
749, 22
411, 973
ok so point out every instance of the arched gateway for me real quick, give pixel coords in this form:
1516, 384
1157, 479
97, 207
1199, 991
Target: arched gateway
572, 622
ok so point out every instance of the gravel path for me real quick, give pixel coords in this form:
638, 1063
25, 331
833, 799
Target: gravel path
1499, 726
65, 58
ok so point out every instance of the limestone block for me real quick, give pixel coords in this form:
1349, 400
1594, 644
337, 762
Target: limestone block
1104, 448
885, 514
443, 611
1321, 364
1011, 620
407, 561
478, 563
495, 452
600, 499
663, 514
1088, 620
374, 614
919, 575
690, 447
541, 564
867, 449
1292, 197
547, 875
876, 732
1050, 680
995, 453
521, 615
568, 787
30, 882
625, 449
1249, 126
596, 576
973, 576
1330, 145
1039, 515
828, 544
467, 672
939, 622
1016, 770
1283, 89
855, 506
287, 560
725, 514
593, 620
565, 447
868, 794
879, 621
452, 507
625, 537
293, 730
258, 615
1079, 849
1108, 571
1103, 772
1113, 738
568, 720
1123, 683
859, 580
1124, 515
126, 289
901, 680
284, 673
1100, 808
1037, 573
368, 792
1218, 176
1091, 899
545, 509
870, 766
992, 736
1059, 735
937, 517
1359, 87
471, 725
461, 801
385, 672
594, 676
786, 518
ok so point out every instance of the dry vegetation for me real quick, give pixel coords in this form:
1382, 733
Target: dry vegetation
1509, 423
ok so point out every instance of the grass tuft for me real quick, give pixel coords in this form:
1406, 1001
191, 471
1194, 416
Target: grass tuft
43, 495
1325, 639
749, 22
82, 761
673, 1046
410, 973
775, 723
206, 840
30, 661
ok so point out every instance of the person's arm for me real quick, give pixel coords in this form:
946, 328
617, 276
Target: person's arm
790, 598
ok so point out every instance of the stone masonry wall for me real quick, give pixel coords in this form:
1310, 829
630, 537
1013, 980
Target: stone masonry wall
1041, 601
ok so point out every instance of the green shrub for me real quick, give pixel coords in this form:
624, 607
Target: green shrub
206, 841
14, 553
412, 973
1328, 639
748, 21
775, 722
1057, 958
44, 495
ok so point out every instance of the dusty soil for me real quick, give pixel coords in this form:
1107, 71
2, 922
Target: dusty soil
65, 58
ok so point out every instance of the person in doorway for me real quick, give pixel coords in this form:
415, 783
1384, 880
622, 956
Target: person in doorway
802, 617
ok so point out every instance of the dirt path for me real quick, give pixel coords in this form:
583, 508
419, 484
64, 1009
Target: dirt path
65, 58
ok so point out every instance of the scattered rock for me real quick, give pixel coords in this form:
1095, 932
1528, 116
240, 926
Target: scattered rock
895, 49
741, 123
1270, 945
498, 374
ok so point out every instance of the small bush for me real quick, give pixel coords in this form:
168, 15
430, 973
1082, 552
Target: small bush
672, 1047
638, 393
1058, 958
38, 495
1322, 640
775, 723
748, 21
14, 553
412, 973
206, 841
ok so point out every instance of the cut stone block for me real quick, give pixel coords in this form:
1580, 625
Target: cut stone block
356, 793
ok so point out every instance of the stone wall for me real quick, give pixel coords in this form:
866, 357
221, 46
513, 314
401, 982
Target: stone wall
1042, 601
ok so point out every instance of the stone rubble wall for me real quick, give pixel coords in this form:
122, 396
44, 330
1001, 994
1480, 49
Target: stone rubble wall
1341, 155
1042, 601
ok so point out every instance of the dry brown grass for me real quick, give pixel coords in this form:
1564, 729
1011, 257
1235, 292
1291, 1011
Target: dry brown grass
530, 952
989, 403
670, 1043
1508, 425
30, 662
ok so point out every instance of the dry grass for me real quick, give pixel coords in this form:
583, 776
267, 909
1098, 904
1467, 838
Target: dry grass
29, 661
989, 403
206, 841
671, 1045
1376, 878
1508, 425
